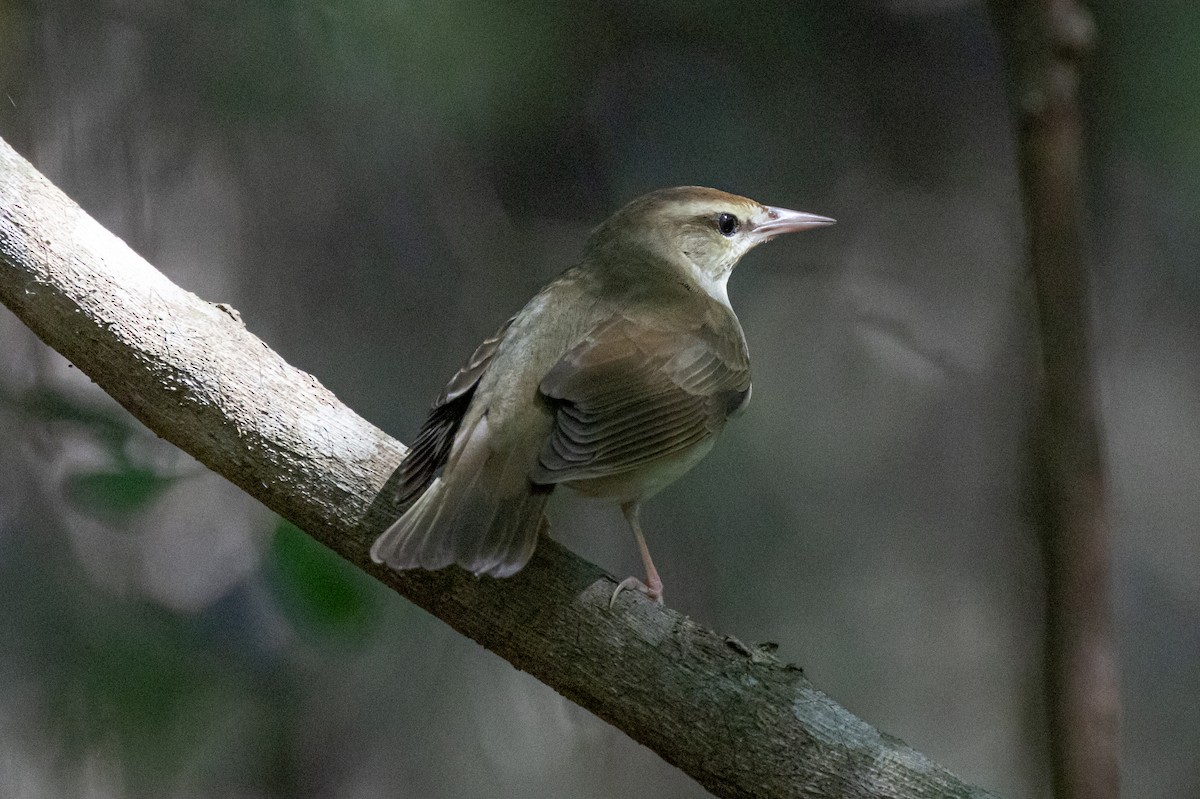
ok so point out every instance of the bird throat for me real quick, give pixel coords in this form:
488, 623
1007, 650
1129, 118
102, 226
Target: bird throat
714, 286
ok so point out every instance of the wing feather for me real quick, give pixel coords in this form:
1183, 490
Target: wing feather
432, 447
628, 395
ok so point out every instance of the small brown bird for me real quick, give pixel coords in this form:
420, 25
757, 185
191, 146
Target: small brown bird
614, 380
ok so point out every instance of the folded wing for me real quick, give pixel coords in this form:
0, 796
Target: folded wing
432, 447
628, 395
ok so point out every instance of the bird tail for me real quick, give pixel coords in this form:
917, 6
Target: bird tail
482, 513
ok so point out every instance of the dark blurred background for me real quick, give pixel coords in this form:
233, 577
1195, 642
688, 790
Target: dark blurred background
377, 185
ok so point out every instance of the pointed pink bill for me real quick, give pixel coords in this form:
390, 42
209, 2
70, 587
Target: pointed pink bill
781, 220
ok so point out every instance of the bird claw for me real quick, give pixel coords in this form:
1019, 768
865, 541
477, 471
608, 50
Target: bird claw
655, 593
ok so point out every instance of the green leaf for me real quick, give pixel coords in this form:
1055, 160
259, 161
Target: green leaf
118, 494
318, 590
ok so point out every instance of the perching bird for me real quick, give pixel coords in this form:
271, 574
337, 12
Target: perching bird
614, 380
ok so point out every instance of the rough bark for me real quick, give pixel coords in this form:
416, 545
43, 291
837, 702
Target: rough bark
1046, 41
734, 717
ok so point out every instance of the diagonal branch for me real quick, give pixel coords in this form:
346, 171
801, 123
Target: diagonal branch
734, 717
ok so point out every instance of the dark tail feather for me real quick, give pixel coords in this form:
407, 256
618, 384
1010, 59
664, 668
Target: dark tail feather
483, 513
510, 540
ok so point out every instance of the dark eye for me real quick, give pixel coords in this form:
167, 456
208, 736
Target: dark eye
728, 224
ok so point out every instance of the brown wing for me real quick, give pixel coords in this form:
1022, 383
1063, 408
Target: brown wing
432, 447
628, 395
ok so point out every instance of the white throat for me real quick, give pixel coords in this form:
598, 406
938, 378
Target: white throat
715, 287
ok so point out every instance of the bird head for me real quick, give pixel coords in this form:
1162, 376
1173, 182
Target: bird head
703, 232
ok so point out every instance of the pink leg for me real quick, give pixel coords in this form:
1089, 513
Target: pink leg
653, 587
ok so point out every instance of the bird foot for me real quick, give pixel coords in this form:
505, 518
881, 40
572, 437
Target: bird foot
653, 591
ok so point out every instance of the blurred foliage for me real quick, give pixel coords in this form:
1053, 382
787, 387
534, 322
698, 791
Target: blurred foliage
174, 697
1148, 63
317, 590
113, 495
418, 47
485, 69
48, 406
120, 677
15, 24
251, 71
134, 679
405, 52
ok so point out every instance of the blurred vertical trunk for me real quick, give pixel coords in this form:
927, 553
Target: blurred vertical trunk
1045, 42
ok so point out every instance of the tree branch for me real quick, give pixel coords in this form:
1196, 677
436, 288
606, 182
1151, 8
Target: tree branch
1045, 42
734, 717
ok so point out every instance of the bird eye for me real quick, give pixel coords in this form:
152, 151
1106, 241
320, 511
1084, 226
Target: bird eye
728, 224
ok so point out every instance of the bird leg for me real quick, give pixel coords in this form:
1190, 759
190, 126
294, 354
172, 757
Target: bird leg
653, 587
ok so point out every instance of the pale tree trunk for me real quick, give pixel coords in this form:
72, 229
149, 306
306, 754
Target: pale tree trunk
1046, 42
